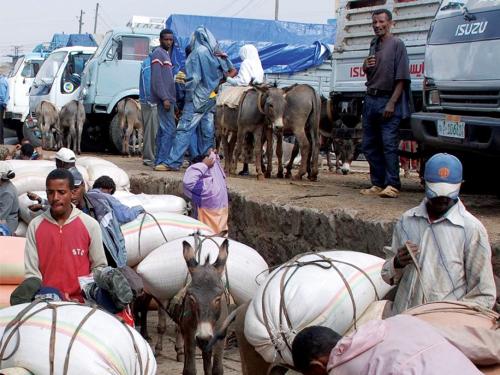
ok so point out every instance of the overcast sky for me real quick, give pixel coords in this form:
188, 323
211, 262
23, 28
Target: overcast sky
29, 22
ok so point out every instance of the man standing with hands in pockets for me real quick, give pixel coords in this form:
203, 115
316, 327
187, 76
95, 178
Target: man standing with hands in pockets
440, 251
385, 105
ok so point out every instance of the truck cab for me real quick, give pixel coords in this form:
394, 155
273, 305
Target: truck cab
111, 75
59, 78
461, 113
20, 80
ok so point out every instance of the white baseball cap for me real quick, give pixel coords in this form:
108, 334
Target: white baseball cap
66, 155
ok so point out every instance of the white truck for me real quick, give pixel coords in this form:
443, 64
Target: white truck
412, 20
20, 79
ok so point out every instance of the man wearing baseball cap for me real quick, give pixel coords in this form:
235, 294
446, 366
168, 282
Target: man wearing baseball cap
65, 158
440, 251
9, 205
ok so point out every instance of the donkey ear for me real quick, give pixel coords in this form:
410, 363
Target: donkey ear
189, 256
220, 263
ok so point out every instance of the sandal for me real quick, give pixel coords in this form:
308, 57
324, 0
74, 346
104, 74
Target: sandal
389, 192
374, 190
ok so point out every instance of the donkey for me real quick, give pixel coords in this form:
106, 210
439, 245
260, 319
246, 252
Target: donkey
202, 311
261, 110
48, 121
303, 107
129, 115
71, 120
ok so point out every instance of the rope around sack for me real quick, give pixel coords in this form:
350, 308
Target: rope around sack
140, 230
324, 263
25, 314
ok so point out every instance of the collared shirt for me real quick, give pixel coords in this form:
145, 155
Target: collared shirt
454, 259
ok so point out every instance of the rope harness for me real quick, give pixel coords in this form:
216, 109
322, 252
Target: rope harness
140, 230
12, 328
291, 267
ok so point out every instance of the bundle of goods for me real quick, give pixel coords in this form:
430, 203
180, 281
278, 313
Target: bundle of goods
149, 231
164, 270
97, 167
331, 288
11, 267
69, 338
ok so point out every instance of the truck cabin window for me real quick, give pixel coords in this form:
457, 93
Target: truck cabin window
133, 48
73, 72
31, 69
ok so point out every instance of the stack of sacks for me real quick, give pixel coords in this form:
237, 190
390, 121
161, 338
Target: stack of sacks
164, 271
311, 289
150, 231
102, 344
97, 167
11, 267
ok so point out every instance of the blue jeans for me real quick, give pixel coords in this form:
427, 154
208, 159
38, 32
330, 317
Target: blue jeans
381, 141
166, 133
194, 131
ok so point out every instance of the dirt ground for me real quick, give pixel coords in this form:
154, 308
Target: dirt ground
334, 191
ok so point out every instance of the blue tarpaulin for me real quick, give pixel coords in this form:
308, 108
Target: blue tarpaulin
284, 47
82, 40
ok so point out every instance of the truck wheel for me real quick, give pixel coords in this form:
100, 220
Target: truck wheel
115, 134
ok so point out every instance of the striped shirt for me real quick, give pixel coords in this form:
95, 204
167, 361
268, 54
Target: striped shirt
454, 258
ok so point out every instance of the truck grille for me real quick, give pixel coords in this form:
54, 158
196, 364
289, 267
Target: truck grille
479, 100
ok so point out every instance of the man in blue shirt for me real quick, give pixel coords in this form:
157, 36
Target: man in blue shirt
4, 99
149, 113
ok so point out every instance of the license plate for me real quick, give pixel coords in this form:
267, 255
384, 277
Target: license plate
449, 128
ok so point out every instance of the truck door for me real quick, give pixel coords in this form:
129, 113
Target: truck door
69, 87
120, 71
23, 84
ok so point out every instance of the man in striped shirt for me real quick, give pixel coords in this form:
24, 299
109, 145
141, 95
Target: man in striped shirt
440, 251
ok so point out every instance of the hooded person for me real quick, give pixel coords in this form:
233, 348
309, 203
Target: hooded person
439, 250
250, 69
9, 205
399, 345
206, 66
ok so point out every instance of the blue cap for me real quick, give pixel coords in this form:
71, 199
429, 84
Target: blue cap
77, 176
443, 168
443, 176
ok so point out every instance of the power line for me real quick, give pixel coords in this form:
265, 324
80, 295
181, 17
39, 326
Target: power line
249, 2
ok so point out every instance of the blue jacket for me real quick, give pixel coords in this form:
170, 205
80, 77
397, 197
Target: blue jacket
4, 92
145, 81
110, 214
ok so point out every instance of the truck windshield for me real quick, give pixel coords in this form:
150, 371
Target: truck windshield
103, 43
449, 7
50, 68
16, 67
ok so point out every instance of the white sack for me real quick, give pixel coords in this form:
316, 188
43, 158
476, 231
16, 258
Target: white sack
103, 345
97, 167
173, 226
313, 296
24, 202
164, 271
21, 229
156, 203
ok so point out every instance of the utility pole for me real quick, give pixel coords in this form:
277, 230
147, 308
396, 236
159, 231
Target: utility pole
95, 18
80, 22
276, 9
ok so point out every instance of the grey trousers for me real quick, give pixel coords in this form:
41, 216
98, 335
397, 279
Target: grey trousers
151, 124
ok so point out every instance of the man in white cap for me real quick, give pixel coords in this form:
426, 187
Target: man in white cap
65, 158
9, 205
440, 251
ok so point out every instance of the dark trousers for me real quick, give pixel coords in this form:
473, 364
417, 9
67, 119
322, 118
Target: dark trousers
2, 111
381, 141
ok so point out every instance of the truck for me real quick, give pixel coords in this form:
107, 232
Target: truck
20, 79
111, 75
461, 87
412, 20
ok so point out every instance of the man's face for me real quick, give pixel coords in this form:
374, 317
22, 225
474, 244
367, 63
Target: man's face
316, 368
381, 24
77, 196
167, 41
438, 206
59, 196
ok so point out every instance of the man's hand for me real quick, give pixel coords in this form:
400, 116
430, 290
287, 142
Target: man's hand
166, 105
370, 62
389, 109
209, 162
34, 197
403, 257
35, 207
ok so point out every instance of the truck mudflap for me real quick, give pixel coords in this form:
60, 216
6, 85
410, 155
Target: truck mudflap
465, 134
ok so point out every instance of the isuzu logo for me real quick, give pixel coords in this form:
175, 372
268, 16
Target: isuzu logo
471, 28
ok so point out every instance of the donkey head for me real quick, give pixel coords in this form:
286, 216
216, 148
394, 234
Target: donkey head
274, 105
204, 294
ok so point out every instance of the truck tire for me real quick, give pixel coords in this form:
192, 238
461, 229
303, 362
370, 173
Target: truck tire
115, 134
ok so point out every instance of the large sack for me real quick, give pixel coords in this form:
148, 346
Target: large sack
147, 232
153, 203
97, 167
21, 229
15, 371
11, 260
5, 292
164, 271
103, 345
25, 213
474, 330
311, 289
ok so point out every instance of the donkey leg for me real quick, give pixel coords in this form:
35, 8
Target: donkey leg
289, 166
225, 149
218, 357
269, 151
279, 153
179, 344
258, 152
314, 156
207, 362
240, 141
304, 152
161, 329
189, 353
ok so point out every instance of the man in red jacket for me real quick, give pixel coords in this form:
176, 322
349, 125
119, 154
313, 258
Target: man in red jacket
64, 244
